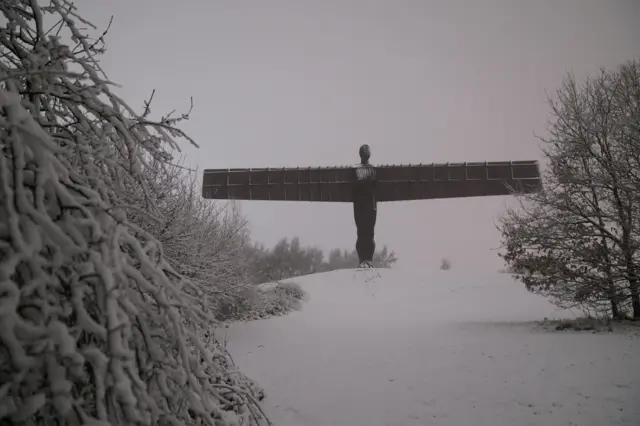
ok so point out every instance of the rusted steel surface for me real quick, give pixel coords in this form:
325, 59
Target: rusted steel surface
394, 182
330, 184
456, 180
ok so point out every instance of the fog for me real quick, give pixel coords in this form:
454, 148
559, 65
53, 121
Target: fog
301, 83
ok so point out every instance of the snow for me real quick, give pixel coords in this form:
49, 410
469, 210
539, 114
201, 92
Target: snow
433, 348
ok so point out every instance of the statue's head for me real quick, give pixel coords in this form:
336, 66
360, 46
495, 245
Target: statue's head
365, 153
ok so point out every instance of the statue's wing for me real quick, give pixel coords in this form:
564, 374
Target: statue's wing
456, 180
325, 184
394, 183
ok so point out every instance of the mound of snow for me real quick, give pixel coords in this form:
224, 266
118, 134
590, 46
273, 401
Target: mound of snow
394, 347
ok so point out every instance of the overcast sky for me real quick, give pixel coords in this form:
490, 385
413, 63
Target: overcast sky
305, 83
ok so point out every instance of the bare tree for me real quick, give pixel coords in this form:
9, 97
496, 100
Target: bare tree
97, 326
578, 240
202, 240
288, 258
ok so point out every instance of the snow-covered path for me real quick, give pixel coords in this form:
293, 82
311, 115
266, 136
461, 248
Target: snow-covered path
447, 349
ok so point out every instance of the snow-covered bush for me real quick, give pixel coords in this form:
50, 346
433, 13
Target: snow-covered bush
445, 264
279, 299
291, 290
267, 300
201, 240
97, 326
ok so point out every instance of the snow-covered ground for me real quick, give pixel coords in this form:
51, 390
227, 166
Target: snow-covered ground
434, 348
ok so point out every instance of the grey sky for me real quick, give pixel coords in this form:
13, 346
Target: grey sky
288, 83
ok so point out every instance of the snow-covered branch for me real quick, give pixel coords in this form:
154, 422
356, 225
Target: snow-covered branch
579, 239
98, 323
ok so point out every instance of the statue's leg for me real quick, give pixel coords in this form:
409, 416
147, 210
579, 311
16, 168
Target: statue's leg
358, 214
365, 245
371, 246
365, 217
368, 234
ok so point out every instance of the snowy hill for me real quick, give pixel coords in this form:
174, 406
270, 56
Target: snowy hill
433, 348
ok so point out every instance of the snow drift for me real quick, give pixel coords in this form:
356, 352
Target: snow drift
436, 348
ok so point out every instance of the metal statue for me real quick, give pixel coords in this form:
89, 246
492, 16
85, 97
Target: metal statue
365, 185
365, 207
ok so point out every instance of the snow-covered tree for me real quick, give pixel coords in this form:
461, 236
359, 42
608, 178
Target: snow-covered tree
578, 240
201, 239
97, 324
288, 258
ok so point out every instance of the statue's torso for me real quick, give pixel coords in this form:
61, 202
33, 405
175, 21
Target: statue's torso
365, 173
364, 191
